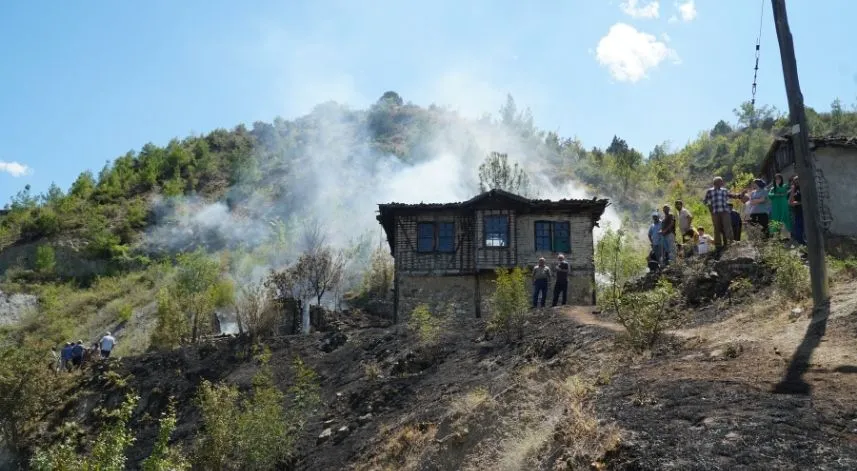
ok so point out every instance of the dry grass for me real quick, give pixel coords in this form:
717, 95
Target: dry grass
471, 402
403, 450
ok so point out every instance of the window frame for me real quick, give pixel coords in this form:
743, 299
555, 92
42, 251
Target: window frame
552, 236
435, 237
451, 237
421, 237
505, 236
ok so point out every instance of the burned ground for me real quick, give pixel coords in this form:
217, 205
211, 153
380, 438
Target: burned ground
568, 394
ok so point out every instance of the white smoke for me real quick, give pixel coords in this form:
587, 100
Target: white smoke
332, 180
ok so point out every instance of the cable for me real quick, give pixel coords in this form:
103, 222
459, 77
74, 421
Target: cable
758, 46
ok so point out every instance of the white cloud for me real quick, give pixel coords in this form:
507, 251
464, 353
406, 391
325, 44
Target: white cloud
637, 10
628, 54
15, 169
687, 10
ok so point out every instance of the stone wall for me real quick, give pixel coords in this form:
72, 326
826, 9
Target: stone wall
456, 294
453, 293
839, 168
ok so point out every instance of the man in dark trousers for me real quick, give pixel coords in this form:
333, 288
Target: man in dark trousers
561, 285
541, 279
735, 216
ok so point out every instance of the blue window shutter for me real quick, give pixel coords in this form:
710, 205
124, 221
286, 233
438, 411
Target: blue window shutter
561, 237
425, 237
446, 237
543, 235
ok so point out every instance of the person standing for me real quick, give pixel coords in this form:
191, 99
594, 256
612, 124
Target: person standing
77, 354
541, 277
716, 198
759, 215
737, 224
668, 236
655, 238
780, 214
561, 283
65, 356
797, 212
106, 343
685, 221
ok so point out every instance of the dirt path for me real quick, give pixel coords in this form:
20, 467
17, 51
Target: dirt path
584, 315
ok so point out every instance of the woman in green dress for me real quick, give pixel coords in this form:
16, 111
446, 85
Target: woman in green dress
780, 214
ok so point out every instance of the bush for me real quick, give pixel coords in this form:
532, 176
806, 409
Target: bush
108, 450
164, 457
791, 276
254, 431
424, 325
46, 261
645, 315
510, 303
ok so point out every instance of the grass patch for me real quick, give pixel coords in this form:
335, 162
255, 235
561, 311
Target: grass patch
403, 449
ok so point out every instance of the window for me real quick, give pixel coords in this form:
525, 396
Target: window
435, 237
425, 237
554, 236
543, 235
496, 231
446, 237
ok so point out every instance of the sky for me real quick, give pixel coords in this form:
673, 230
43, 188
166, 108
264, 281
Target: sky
82, 83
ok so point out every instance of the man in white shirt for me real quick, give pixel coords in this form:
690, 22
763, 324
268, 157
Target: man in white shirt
685, 221
106, 344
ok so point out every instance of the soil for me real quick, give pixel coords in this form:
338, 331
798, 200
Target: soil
705, 399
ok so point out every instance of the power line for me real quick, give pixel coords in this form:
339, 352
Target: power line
758, 47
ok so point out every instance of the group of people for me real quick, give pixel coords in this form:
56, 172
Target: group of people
541, 280
74, 355
770, 208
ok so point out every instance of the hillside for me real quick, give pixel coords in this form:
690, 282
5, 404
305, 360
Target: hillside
568, 394
167, 244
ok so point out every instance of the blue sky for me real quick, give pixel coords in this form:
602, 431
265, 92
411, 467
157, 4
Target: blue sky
84, 82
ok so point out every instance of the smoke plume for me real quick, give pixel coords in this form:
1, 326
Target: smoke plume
321, 174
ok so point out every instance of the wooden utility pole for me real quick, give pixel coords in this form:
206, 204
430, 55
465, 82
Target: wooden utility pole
804, 167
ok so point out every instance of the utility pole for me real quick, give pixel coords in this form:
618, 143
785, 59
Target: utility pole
804, 167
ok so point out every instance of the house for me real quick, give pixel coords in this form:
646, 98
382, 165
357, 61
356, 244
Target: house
836, 171
445, 254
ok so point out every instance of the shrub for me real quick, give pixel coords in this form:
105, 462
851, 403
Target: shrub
255, 430
108, 450
164, 457
510, 303
424, 325
645, 315
791, 276
45, 259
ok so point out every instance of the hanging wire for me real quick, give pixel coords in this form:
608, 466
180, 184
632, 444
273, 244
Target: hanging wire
758, 45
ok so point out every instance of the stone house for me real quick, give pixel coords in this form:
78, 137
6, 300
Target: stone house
835, 161
445, 254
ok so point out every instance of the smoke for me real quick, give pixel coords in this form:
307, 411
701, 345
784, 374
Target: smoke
324, 173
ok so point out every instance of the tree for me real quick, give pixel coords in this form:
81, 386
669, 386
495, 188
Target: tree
496, 173
391, 98
194, 294
722, 128
45, 259
319, 271
253, 310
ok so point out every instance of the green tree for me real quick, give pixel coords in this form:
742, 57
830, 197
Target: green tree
510, 303
496, 173
45, 259
195, 293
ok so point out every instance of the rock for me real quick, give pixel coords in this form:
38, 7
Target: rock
341, 433
332, 341
364, 419
795, 314
324, 436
